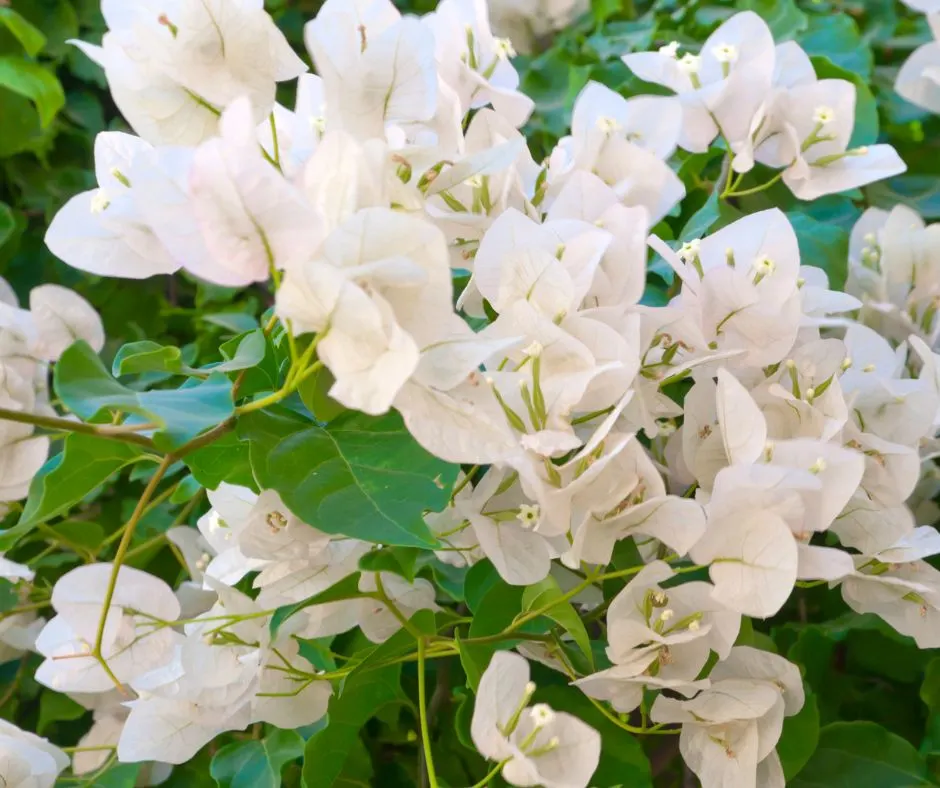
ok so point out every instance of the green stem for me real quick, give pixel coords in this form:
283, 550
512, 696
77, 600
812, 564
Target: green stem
493, 772
423, 714
756, 189
125, 434
119, 560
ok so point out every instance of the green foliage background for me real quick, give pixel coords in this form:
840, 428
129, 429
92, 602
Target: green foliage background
873, 713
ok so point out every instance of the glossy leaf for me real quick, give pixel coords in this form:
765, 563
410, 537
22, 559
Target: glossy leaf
256, 764
361, 476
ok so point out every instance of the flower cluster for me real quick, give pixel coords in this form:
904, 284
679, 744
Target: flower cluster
759, 429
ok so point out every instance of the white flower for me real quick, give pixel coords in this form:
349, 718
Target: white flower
541, 746
136, 638
27, 760
170, 73
103, 231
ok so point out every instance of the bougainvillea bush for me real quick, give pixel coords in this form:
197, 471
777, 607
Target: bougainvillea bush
541, 393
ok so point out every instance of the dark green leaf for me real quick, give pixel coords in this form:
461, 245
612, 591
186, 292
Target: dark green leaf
364, 694
822, 245
547, 592
782, 16
862, 755
85, 463
361, 476
799, 738
223, 460
256, 764
55, 707
34, 82
836, 37
398, 560
27, 34
7, 222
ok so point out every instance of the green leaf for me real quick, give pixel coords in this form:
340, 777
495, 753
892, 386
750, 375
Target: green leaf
361, 476
186, 490
498, 609
822, 245
481, 577
930, 687
85, 387
920, 192
252, 355
364, 694
713, 215
314, 392
34, 82
146, 356
9, 595
256, 764
26, 33
782, 16
55, 707
7, 221
547, 592
398, 560
85, 463
121, 775
862, 755
223, 460
799, 738
836, 37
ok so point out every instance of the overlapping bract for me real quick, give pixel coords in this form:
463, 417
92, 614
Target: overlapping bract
788, 453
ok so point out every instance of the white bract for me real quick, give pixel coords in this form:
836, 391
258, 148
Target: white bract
539, 746
743, 422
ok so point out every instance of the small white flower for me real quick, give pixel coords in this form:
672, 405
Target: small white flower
666, 615
100, 201
542, 714
694, 626
725, 53
690, 250
503, 48
689, 63
823, 115
670, 50
608, 125
534, 350
528, 515
765, 266
530, 689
